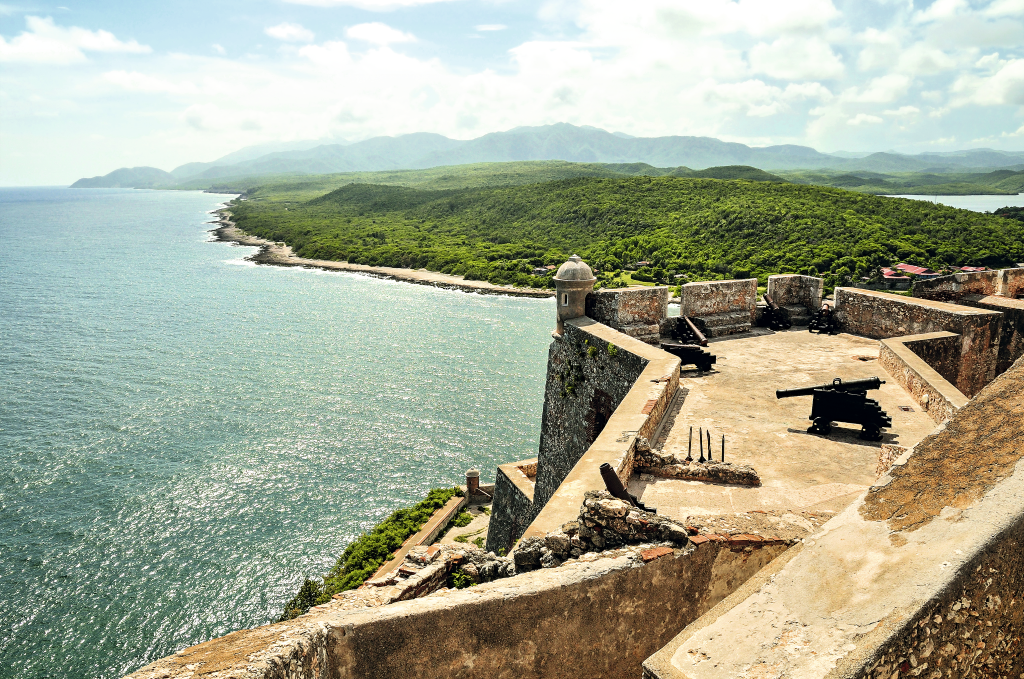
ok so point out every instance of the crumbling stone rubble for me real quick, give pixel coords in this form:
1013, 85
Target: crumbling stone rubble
667, 465
604, 523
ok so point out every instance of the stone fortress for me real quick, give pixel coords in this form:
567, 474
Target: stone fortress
753, 548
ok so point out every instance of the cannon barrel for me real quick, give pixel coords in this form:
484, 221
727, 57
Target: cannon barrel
770, 302
836, 385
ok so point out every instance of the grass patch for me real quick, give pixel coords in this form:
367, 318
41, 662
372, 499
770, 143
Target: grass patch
367, 553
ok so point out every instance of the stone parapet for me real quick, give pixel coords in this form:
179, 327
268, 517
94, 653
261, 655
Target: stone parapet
794, 290
922, 576
1011, 340
624, 606
882, 315
720, 308
632, 311
1002, 282
901, 358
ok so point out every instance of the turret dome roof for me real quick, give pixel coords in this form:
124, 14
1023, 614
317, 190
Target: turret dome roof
574, 270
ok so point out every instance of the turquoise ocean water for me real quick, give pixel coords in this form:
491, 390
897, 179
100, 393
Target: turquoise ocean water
184, 437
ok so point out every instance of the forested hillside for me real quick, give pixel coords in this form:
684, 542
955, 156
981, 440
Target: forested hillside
704, 229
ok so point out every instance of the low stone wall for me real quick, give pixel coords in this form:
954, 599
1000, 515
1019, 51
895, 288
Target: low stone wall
720, 307
789, 289
632, 311
1011, 341
567, 472
922, 576
512, 509
598, 618
1004, 282
912, 362
883, 315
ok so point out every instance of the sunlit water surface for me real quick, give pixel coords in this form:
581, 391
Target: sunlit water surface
980, 203
184, 437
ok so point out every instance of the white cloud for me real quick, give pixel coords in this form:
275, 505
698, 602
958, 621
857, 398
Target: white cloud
1005, 8
881, 90
378, 34
791, 58
287, 32
139, 82
219, 49
491, 27
46, 43
904, 111
864, 119
372, 5
1004, 87
939, 10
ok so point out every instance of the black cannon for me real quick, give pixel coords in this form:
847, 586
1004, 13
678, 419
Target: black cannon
824, 321
615, 487
844, 402
685, 341
775, 317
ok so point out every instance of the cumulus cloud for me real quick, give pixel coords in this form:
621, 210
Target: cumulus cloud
378, 34
287, 32
864, 119
792, 58
1003, 87
46, 43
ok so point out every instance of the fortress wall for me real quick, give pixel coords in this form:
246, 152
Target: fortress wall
883, 315
1011, 341
632, 311
512, 509
915, 362
599, 618
617, 397
720, 308
789, 289
922, 576
1004, 282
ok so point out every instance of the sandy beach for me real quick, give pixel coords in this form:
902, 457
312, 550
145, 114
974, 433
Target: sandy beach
282, 255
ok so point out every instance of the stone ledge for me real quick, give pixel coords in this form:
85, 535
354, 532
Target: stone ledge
930, 390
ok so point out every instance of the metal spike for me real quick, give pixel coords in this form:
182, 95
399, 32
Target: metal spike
723, 447
689, 448
700, 435
709, 445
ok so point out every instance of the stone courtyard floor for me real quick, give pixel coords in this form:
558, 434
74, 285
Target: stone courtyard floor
801, 472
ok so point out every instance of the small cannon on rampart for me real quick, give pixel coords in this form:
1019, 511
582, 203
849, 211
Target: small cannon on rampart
775, 317
824, 321
685, 341
844, 402
615, 487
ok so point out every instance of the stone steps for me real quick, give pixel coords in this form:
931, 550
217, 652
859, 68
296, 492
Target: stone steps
720, 325
798, 314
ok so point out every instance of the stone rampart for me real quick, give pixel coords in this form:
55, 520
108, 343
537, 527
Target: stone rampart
923, 575
915, 361
792, 289
512, 509
1011, 341
636, 380
620, 610
636, 312
720, 307
1003, 282
882, 315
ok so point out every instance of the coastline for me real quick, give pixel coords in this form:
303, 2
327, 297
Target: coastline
281, 255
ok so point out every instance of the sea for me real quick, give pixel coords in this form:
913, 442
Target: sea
982, 203
185, 436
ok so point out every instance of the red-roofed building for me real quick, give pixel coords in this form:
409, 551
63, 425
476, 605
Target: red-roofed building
969, 269
920, 271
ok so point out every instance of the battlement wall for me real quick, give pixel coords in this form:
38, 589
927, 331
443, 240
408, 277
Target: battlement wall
636, 312
793, 289
922, 575
915, 363
1003, 282
720, 308
883, 315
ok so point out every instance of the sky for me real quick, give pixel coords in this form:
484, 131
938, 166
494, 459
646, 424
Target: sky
86, 88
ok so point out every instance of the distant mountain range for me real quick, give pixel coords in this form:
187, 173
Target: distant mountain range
549, 142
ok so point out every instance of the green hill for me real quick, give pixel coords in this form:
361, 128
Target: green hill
704, 229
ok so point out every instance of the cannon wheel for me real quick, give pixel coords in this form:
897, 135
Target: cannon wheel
871, 434
820, 426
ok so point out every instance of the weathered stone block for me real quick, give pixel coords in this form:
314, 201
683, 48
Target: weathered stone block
718, 297
633, 311
792, 289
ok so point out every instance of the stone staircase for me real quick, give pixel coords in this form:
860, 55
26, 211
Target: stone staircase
798, 314
720, 325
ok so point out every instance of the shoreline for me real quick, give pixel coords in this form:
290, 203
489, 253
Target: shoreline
273, 254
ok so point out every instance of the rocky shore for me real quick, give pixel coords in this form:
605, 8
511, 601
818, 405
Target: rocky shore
279, 254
